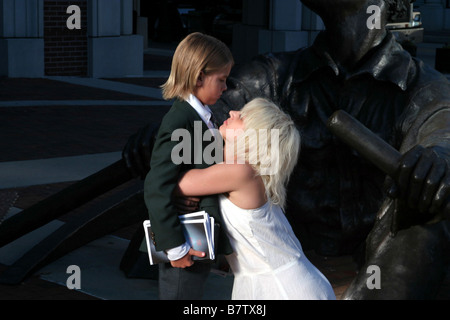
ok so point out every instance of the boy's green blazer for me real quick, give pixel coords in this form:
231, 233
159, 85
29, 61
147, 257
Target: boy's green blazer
164, 174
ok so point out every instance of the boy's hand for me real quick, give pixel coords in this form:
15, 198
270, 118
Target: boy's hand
187, 261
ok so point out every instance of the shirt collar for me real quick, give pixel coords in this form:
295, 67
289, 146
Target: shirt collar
387, 62
203, 110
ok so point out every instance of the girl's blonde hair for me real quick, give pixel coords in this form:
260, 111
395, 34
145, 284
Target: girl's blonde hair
196, 53
274, 147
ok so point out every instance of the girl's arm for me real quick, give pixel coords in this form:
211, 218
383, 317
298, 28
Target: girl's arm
219, 178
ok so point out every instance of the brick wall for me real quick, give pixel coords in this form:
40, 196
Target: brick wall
65, 50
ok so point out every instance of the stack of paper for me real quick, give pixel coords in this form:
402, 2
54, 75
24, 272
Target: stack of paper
198, 228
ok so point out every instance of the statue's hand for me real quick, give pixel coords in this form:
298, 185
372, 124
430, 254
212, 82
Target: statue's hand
138, 149
422, 183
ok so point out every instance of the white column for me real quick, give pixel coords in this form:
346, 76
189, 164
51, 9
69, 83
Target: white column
113, 50
104, 18
446, 16
22, 38
127, 17
141, 22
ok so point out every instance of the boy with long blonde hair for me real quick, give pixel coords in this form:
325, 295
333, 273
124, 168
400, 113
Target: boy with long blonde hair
200, 67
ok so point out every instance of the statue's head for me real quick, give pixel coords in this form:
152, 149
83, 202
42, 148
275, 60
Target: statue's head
323, 7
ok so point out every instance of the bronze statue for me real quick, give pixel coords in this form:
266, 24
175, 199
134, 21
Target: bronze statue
337, 196
339, 202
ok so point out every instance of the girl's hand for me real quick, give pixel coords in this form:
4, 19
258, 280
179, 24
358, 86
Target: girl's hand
186, 204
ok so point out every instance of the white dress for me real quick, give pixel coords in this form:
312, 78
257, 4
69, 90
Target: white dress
268, 262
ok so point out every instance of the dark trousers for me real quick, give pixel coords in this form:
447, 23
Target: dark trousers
182, 284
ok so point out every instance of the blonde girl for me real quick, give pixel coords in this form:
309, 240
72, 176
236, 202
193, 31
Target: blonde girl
268, 261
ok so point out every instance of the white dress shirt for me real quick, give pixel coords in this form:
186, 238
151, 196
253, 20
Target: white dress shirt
203, 110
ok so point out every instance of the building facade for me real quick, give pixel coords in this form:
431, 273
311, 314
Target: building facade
284, 25
273, 26
107, 38
91, 38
